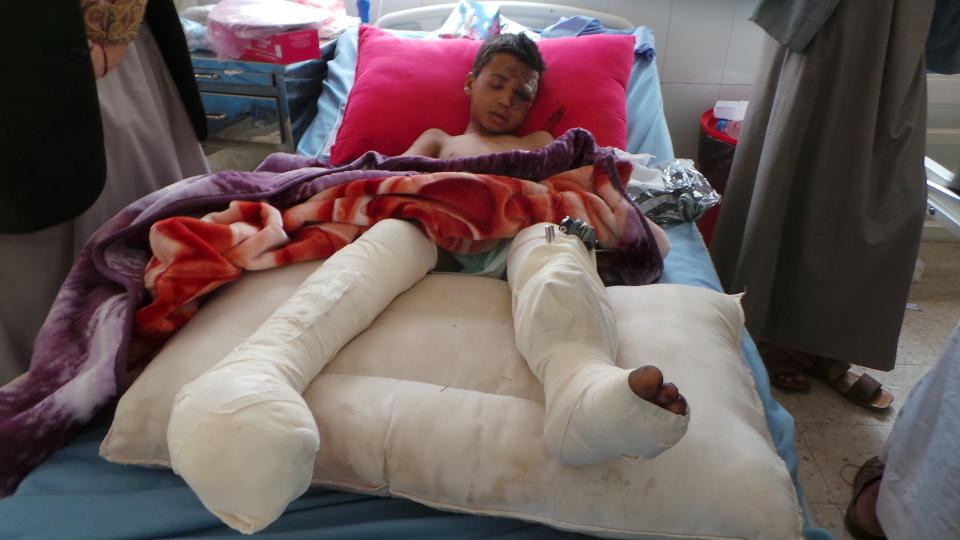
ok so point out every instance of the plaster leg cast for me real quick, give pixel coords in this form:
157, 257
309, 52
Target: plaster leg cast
566, 330
241, 435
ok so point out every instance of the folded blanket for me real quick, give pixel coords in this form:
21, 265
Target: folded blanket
83, 360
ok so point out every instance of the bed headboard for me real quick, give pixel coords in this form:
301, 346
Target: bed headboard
529, 14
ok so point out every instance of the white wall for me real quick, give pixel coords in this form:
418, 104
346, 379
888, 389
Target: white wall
708, 50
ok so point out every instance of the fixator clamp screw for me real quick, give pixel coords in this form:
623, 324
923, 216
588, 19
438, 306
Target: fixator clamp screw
576, 227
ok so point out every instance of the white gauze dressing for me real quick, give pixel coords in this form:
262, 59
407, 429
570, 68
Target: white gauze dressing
565, 329
241, 435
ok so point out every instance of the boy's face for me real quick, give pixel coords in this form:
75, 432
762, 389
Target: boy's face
501, 94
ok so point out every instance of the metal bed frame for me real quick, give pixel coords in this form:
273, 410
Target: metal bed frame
529, 14
943, 203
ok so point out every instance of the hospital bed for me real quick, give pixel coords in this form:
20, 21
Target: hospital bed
943, 203
77, 494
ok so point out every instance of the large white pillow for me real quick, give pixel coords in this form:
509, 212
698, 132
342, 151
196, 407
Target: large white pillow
434, 403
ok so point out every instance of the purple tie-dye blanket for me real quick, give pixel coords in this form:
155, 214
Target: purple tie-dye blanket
84, 357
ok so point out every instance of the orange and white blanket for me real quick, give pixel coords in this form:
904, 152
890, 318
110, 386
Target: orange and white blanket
459, 211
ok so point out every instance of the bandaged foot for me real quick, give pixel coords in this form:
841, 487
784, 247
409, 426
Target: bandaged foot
241, 435
566, 331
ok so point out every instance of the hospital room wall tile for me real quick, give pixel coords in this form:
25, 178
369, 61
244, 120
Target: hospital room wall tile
735, 92
654, 14
595, 5
682, 105
743, 54
697, 42
383, 7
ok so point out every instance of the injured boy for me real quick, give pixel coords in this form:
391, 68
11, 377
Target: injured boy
564, 327
564, 324
502, 86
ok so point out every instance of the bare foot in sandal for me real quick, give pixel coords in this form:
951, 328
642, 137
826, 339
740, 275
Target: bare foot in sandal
647, 383
787, 368
860, 518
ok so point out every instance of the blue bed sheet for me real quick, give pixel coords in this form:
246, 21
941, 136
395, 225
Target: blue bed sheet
77, 495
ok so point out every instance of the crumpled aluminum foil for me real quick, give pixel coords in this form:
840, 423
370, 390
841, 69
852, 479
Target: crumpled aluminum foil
683, 194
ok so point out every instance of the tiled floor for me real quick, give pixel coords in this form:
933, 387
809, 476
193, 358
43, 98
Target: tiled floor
235, 159
834, 436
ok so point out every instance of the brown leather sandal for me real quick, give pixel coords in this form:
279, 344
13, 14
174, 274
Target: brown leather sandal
871, 471
861, 389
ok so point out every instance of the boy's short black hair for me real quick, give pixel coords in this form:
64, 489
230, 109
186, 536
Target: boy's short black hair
518, 45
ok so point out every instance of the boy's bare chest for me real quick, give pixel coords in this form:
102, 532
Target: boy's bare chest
475, 145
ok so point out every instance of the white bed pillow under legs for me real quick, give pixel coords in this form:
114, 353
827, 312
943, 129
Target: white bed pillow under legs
434, 403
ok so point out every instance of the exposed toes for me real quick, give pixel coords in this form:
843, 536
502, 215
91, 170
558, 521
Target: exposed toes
646, 382
678, 406
668, 394
670, 399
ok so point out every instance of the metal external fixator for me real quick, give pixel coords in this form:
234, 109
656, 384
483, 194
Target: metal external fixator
576, 227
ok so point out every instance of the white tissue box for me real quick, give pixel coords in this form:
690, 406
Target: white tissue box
730, 110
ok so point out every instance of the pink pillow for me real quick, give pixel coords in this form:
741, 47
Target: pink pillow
405, 86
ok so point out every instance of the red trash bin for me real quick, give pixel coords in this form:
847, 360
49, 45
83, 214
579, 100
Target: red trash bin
715, 155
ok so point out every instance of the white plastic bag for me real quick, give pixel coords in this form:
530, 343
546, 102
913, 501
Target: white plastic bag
233, 23
471, 20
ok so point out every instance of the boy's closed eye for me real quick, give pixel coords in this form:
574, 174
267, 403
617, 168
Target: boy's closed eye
496, 80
